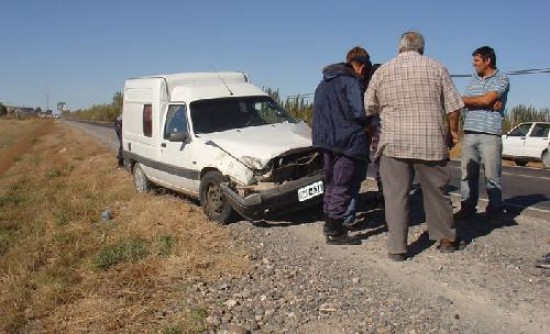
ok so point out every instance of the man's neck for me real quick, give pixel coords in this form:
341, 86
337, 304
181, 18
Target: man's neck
489, 73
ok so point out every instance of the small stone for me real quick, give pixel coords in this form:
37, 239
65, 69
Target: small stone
233, 329
457, 316
231, 303
106, 215
355, 280
328, 308
213, 320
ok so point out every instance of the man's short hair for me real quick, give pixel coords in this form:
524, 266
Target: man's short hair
359, 55
486, 52
411, 41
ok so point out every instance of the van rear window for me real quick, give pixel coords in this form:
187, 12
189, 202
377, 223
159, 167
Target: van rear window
148, 120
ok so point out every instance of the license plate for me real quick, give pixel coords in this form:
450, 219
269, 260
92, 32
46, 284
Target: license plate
310, 191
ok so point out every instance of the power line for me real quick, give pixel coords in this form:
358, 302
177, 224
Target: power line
517, 72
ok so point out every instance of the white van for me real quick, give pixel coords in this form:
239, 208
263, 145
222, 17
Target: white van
217, 137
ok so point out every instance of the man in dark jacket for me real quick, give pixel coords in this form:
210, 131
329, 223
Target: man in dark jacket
338, 122
118, 130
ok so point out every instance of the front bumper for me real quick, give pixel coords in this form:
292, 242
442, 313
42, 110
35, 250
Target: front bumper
272, 202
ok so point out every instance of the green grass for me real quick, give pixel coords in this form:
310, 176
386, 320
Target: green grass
125, 251
165, 244
12, 198
53, 173
173, 329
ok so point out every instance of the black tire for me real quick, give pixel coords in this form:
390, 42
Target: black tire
521, 163
141, 181
546, 159
213, 203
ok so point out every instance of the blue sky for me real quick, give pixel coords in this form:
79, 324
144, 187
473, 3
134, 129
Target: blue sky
82, 51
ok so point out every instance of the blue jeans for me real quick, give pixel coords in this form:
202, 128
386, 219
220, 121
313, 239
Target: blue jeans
481, 150
358, 178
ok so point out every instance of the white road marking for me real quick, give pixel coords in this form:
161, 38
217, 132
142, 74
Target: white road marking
526, 176
508, 204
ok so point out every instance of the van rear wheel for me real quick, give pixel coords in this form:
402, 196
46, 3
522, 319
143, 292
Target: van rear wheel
213, 202
141, 181
520, 162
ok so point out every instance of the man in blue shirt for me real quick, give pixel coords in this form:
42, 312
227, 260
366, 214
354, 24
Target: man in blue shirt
484, 99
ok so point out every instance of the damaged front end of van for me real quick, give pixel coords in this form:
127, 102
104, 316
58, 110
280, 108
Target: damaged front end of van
270, 170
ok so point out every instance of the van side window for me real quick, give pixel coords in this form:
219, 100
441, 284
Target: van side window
176, 120
520, 131
148, 120
540, 130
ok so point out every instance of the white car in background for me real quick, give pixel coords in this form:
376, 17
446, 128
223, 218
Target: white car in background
528, 142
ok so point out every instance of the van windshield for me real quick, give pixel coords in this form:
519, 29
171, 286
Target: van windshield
236, 113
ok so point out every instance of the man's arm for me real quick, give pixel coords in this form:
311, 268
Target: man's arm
453, 125
486, 101
353, 95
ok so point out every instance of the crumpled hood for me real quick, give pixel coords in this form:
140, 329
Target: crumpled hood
255, 146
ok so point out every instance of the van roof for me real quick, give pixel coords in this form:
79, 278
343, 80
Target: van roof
200, 78
206, 85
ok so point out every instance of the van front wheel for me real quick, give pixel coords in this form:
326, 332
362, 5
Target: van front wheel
213, 202
141, 182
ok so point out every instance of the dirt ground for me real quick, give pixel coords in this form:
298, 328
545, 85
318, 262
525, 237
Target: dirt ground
276, 276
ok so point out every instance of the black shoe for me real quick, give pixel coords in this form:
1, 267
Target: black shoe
447, 246
464, 214
397, 257
495, 217
379, 202
336, 233
342, 239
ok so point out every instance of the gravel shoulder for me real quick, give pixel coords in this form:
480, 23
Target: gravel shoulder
302, 285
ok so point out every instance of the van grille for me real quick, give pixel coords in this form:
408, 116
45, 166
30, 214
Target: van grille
294, 166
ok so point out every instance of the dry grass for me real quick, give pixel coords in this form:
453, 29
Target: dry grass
64, 270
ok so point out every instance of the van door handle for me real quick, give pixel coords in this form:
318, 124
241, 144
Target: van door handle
163, 145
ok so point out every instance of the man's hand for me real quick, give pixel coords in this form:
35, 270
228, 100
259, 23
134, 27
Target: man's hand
497, 106
452, 139
453, 136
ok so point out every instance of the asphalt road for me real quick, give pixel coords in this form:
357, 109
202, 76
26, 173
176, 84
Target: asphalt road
524, 188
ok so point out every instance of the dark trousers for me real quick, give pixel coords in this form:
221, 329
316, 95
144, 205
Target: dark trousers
340, 178
119, 156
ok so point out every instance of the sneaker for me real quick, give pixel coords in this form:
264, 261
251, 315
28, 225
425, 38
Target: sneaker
544, 262
342, 239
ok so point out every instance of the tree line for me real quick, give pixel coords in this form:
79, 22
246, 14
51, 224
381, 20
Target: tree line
298, 107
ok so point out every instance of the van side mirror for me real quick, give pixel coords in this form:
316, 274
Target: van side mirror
178, 137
